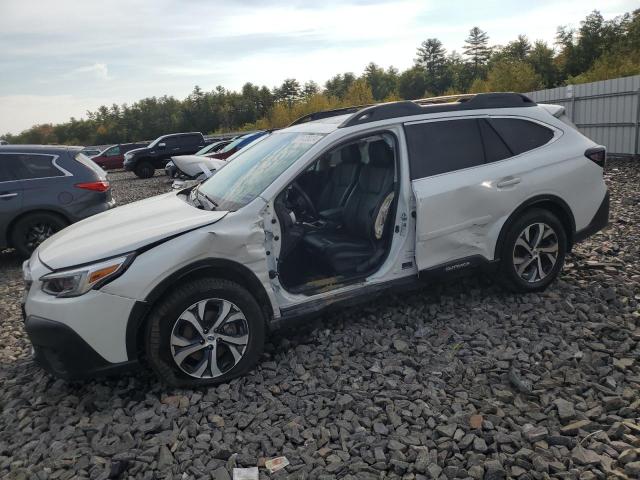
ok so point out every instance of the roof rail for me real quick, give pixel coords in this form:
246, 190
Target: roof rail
407, 108
327, 114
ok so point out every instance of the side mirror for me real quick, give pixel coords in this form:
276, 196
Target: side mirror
162, 145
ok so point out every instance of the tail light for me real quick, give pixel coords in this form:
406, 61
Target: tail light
99, 186
598, 155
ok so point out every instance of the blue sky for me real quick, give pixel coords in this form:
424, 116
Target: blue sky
60, 58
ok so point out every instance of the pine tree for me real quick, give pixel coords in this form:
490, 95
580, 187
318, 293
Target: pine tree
477, 48
431, 56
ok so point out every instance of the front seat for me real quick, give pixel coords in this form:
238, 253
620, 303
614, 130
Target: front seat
343, 177
354, 247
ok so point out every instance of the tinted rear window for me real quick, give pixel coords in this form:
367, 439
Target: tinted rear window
91, 165
439, 147
24, 166
521, 135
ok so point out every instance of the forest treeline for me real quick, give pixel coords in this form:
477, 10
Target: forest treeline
598, 50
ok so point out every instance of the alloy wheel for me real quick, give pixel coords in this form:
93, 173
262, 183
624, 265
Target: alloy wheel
535, 252
36, 234
209, 338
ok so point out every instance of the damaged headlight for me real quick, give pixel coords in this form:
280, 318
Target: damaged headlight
78, 281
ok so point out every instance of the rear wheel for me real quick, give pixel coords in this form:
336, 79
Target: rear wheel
144, 169
33, 229
533, 252
205, 332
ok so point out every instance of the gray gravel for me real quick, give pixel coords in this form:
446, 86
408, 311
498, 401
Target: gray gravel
460, 380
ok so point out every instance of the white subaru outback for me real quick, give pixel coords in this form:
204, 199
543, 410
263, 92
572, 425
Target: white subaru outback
339, 206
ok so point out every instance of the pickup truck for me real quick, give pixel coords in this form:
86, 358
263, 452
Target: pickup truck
144, 161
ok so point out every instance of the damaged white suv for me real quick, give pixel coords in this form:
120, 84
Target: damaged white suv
337, 207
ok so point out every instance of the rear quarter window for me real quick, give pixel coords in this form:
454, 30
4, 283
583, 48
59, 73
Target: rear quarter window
28, 166
521, 135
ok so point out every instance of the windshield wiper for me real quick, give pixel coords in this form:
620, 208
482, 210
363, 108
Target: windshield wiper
206, 197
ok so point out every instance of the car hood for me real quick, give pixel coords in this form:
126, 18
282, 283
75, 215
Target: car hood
124, 229
190, 164
137, 150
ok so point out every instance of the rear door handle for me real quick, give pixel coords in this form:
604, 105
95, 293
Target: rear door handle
8, 195
508, 182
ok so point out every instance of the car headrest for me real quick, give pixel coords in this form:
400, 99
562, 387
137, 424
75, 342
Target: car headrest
350, 153
380, 154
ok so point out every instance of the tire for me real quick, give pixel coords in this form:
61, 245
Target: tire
170, 334
522, 259
34, 228
144, 169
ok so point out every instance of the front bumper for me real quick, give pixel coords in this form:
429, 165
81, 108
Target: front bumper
61, 351
600, 220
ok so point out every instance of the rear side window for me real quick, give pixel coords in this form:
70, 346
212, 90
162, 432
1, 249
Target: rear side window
113, 151
25, 166
521, 135
440, 147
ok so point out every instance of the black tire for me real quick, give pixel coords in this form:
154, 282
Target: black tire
164, 317
144, 169
534, 258
32, 229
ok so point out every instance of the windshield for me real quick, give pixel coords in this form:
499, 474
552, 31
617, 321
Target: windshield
236, 142
206, 148
242, 180
154, 143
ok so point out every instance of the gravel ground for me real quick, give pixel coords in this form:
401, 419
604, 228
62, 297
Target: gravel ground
460, 380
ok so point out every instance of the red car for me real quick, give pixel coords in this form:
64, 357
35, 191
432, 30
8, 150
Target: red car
113, 156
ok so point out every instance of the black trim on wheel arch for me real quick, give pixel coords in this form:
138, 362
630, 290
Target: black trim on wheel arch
61, 351
531, 202
599, 221
219, 268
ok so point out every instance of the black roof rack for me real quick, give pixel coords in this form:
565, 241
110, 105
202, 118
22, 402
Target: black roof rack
326, 114
449, 103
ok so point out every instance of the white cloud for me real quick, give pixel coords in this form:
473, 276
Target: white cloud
97, 70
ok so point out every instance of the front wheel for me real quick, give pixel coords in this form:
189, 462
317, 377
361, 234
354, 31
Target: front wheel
205, 332
533, 252
144, 169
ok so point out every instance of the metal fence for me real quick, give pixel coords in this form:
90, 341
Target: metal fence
607, 112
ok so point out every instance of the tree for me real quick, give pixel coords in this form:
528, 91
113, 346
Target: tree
310, 88
412, 83
338, 85
517, 49
382, 83
509, 76
431, 57
288, 92
541, 59
477, 49
359, 93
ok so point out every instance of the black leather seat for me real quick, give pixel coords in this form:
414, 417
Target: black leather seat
353, 247
343, 177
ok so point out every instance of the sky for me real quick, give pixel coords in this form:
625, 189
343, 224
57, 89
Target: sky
61, 58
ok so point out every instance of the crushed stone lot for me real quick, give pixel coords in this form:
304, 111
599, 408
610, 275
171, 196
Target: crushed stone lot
461, 380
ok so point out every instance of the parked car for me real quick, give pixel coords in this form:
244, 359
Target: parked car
337, 208
43, 189
144, 161
91, 151
202, 155
3, 142
113, 156
239, 143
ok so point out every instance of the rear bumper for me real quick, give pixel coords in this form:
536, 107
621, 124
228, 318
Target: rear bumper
600, 220
62, 352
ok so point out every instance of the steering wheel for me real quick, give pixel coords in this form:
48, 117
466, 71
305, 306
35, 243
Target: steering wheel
308, 207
